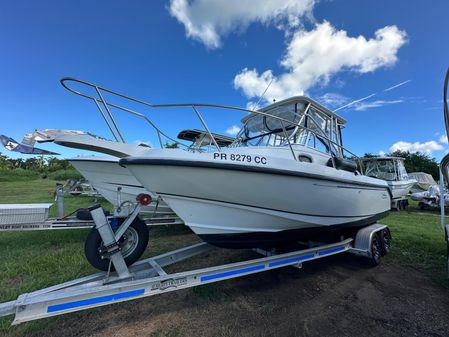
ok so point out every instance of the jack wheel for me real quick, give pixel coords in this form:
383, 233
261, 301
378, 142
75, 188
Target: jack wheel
132, 245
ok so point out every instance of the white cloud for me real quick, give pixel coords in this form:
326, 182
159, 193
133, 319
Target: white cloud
427, 147
382, 153
253, 106
333, 100
233, 130
208, 20
362, 106
443, 139
312, 57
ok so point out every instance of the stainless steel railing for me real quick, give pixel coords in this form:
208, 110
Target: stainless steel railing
112, 124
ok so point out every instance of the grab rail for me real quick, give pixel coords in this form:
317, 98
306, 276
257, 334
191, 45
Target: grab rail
117, 134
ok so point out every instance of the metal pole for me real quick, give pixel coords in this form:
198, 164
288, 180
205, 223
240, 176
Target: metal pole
107, 235
288, 141
60, 200
205, 126
110, 114
106, 120
160, 139
442, 210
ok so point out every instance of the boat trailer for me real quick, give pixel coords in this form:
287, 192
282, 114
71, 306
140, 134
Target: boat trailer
147, 277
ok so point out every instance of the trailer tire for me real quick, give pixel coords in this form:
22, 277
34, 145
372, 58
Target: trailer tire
385, 239
84, 214
133, 243
376, 251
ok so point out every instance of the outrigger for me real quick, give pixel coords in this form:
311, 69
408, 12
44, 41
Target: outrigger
123, 282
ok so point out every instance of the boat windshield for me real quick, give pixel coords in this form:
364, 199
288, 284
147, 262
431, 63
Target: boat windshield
301, 124
381, 169
402, 172
202, 141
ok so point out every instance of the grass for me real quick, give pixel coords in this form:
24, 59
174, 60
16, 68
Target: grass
42, 191
418, 241
17, 175
37, 259
33, 260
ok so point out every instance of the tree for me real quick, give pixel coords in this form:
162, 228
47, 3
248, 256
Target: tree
55, 164
370, 155
4, 162
171, 145
33, 163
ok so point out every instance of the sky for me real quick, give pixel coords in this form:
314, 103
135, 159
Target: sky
394, 54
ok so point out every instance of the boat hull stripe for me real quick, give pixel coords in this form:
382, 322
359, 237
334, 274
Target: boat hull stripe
271, 209
247, 168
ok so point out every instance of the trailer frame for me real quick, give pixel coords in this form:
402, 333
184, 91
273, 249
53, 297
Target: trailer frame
147, 277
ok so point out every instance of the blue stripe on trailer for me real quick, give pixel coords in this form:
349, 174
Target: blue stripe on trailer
94, 300
292, 260
232, 272
330, 251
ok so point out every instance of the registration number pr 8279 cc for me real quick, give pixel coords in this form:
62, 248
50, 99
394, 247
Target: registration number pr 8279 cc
240, 158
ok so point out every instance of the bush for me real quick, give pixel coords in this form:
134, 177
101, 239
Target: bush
17, 174
62, 175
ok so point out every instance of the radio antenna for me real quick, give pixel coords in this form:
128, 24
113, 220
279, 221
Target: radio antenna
263, 94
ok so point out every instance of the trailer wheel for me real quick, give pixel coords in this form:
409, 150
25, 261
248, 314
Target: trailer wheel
376, 251
132, 244
385, 239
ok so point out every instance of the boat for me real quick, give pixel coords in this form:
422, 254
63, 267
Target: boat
392, 170
423, 181
114, 182
284, 179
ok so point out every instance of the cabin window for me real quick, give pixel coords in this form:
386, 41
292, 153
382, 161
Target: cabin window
264, 130
381, 169
402, 173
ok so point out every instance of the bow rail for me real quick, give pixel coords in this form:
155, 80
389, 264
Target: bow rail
112, 124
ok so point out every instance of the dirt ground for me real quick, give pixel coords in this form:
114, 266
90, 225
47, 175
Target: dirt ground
337, 296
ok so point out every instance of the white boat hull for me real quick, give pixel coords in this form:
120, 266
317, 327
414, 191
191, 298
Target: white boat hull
106, 176
401, 188
243, 205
